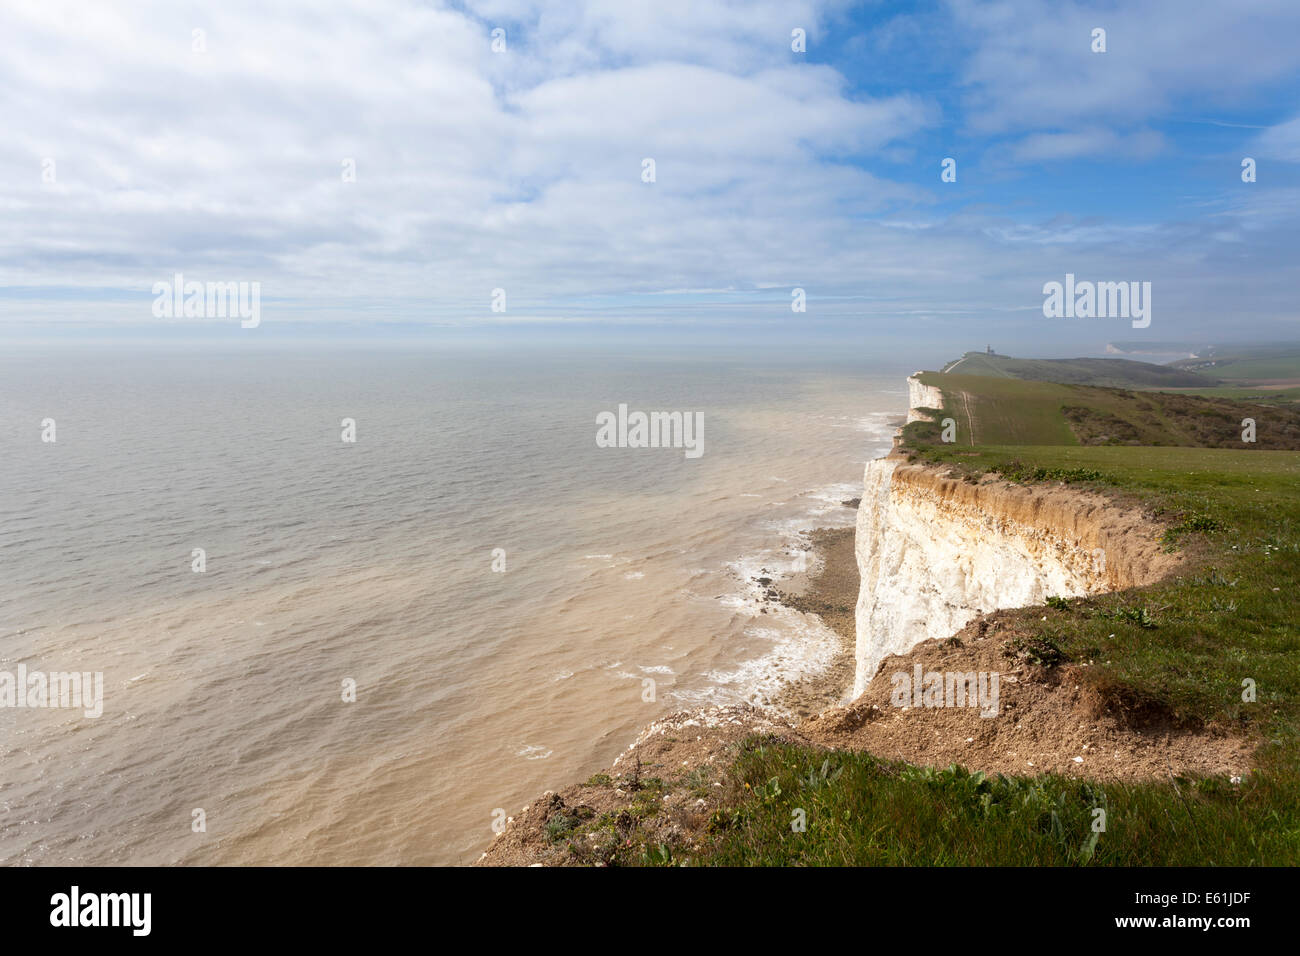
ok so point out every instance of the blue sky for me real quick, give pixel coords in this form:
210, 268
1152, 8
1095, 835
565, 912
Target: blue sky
521, 169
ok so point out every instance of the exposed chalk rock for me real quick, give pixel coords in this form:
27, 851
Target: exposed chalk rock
936, 551
921, 396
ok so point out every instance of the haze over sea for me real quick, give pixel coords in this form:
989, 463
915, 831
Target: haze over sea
372, 560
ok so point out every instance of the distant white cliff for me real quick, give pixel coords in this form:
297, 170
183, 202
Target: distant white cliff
921, 396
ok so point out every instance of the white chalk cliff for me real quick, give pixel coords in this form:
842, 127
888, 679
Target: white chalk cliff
921, 396
936, 551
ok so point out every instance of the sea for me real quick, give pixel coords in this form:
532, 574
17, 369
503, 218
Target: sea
351, 603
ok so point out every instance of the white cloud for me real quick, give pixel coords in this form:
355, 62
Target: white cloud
1280, 142
474, 169
1032, 65
1093, 141
522, 170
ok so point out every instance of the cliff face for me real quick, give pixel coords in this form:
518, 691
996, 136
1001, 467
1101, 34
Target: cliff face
935, 552
921, 396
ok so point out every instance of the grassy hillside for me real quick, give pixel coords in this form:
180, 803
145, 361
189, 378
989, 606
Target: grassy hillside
1112, 373
1155, 347
1251, 395
1271, 363
1007, 411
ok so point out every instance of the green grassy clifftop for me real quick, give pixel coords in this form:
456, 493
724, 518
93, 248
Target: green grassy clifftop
1111, 373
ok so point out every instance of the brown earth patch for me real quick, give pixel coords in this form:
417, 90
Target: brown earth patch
1048, 720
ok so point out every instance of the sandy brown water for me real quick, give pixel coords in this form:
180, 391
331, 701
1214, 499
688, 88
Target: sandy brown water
476, 689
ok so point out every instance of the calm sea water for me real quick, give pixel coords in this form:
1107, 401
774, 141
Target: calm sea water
373, 561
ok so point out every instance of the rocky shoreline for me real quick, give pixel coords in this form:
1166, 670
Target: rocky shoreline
832, 594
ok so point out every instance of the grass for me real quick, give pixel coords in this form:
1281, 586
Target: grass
1251, 370
1248, 364
1004, 409
1007, 411
884, 813
1113, 373
1254, 396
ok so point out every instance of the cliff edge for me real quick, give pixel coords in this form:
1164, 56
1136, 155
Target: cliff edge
934, 552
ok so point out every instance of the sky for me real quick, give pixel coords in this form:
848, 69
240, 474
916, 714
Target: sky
502, 145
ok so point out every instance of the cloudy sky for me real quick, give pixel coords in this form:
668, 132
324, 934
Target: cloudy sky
135, 147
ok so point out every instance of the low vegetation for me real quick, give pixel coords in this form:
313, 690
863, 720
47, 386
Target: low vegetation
1005, 411
1247, 364
884, 813
1110, 372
